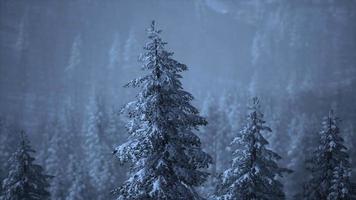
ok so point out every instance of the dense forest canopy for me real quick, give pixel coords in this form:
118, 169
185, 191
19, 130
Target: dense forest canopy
63, 65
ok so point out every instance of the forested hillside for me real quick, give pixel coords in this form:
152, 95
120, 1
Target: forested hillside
63, 65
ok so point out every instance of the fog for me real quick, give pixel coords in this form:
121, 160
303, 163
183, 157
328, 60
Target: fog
59, 59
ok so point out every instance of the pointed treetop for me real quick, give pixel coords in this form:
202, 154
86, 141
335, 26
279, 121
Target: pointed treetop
255, 100
23, 137
254, 103
331, 113
153, 24
24, 142
152, 30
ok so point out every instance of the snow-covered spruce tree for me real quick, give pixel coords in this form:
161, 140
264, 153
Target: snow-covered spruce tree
26, 180
57, 158
329, 165
114, 127
96, 153
166, 155
210, 140
7, 142
216, 137
80, 184
299, 128
254, 170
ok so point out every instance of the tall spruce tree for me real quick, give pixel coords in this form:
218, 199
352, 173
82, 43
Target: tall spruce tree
216, 137
254, 170
80, 187
96, 153
57, 158
6, 147
166, 155
210, 140
26, 180
329, 165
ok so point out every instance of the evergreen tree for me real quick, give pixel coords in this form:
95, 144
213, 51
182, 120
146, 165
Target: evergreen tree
209, 135
80, 184
254, 172
74, 59
77, 173
114, 52
59, 139
7, 142
114, 127
94, 150
329, 165
26, 180
131, 47
216, 137
301, 144
57, 158
166, 155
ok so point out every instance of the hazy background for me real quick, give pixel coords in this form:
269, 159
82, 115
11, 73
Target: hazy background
298, 56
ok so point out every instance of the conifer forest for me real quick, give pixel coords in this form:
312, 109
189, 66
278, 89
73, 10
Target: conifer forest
178, 100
